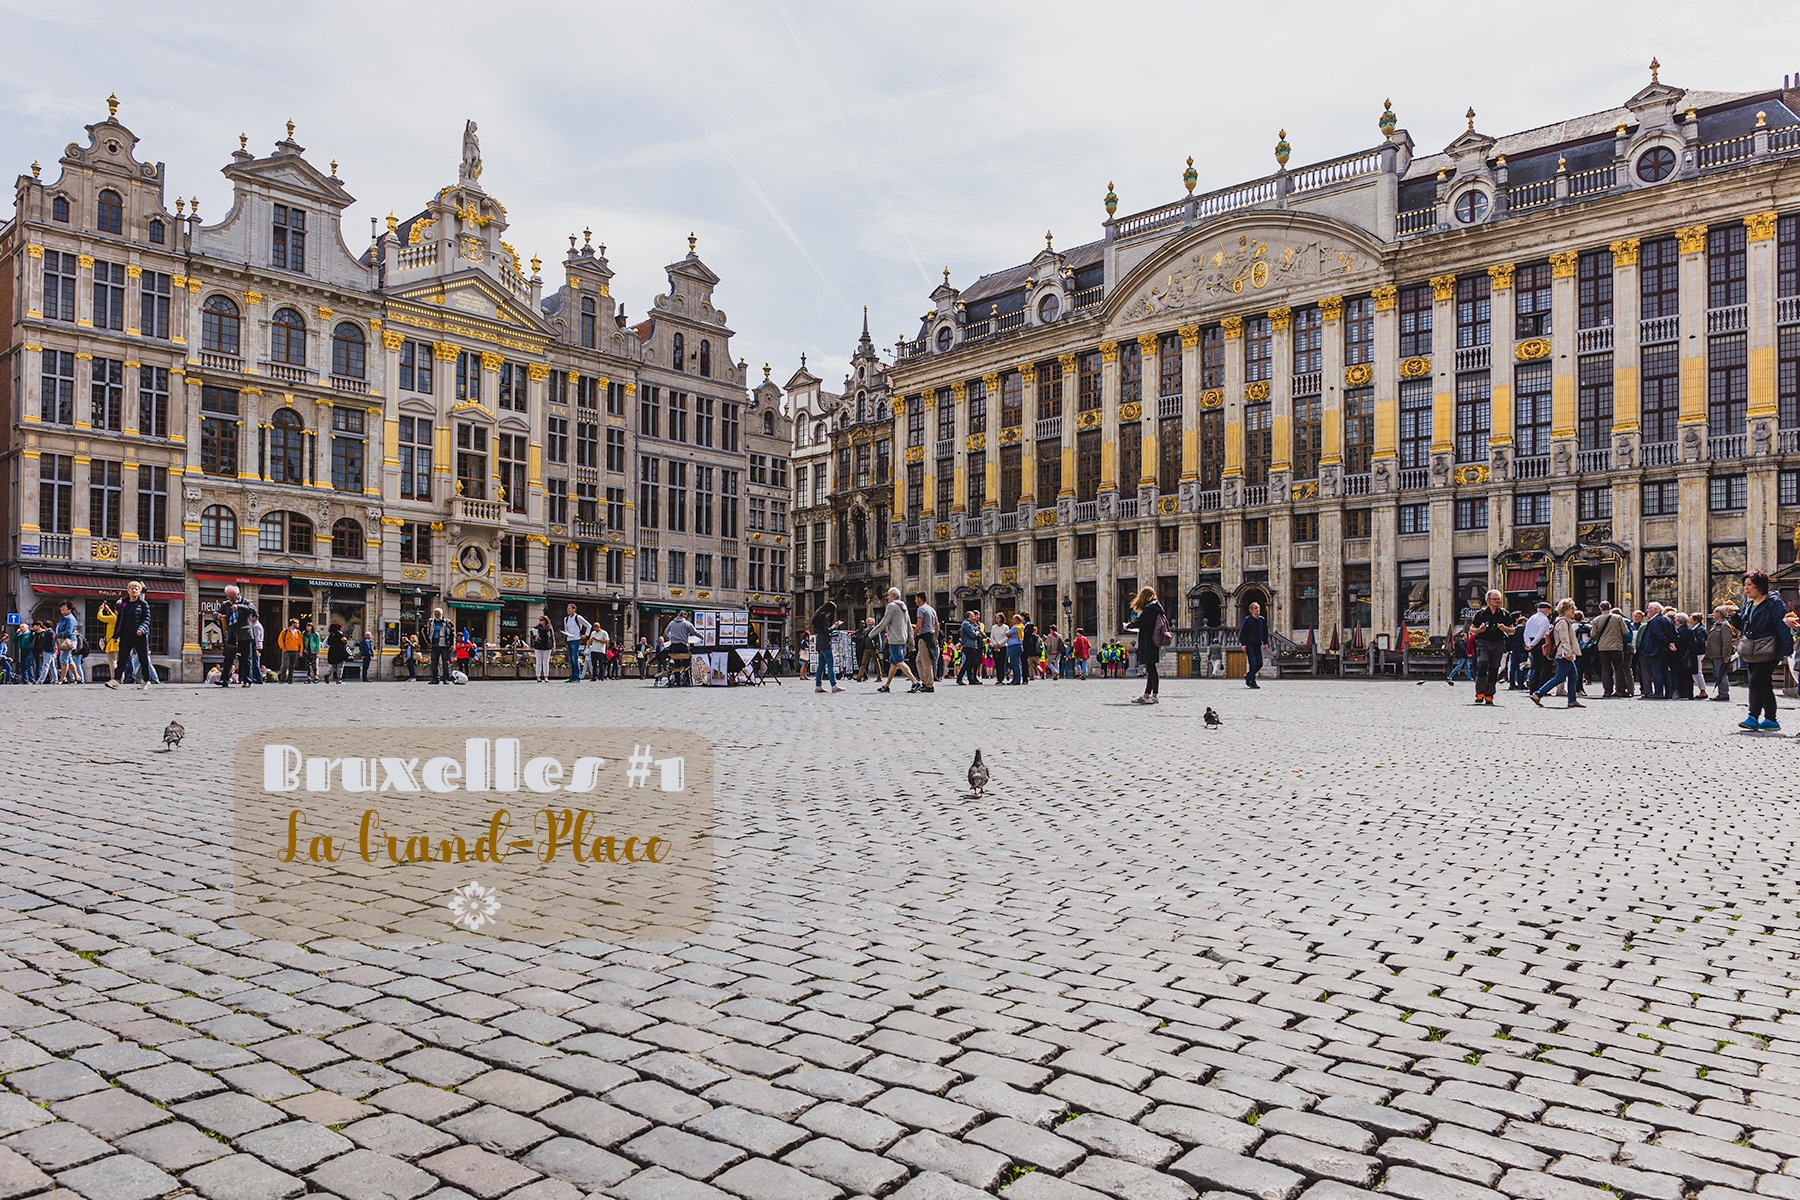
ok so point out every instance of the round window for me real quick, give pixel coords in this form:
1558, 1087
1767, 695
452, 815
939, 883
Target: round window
1471, 206
1048, 307
943, 338
1655, 164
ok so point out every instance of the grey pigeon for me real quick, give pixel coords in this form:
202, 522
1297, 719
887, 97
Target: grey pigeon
978, 774
173, 734
1211, 718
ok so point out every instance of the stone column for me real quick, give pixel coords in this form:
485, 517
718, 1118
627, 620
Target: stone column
1071, 390
1233, 328
959, 500
1148, 408
897, 466
442, 462
1385, 379
991, 442
1761, 531
927, 456
1443, 363
1281, 401
1028, 435
1190, 461
1331, 410
1501, 358
538, 375
34, 283
1693, 342
1625, 342
1109, 421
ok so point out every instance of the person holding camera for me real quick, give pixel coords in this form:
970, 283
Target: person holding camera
1492, 626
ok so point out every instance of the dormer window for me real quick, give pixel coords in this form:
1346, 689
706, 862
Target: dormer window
587, 323
287, 242
156, 233
705, 358
109, 214
1655, 164
680, 361
1471, 206
59, 209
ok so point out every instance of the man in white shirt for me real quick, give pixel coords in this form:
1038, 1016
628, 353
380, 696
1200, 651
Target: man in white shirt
575, 631
598, 643
1537, 627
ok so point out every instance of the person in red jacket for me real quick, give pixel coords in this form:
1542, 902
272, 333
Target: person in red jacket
1081, 650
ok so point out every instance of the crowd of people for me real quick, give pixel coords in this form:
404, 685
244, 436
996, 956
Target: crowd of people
1654, 653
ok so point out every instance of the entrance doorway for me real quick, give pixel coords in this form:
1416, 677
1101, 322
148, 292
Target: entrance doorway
1211, 610
1592, 585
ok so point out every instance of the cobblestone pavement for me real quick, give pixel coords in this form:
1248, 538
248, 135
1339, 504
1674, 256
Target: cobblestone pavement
1362, 937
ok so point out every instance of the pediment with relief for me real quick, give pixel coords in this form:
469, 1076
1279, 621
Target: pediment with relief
1229, 268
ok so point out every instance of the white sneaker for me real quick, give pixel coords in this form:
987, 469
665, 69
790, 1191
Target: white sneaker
113, 683
819, 689
837, 689
144, 686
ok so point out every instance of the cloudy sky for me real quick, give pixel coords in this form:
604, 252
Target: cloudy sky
829, 155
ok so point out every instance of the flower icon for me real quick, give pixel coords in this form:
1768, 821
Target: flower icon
473, 906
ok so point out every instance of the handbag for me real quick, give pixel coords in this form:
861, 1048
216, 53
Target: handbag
1758, 649
1161, 634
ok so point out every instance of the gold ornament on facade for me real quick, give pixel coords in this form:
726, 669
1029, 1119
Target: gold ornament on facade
85, 261
1233, 327
915, 454
972, 579
1109, 352
540, 372
1045, 518
1281, 318
899, 406
1759, 227
1028, 374
1131, 411
1625, 253
1306, 491
1562, 265
1531, 349
1358, 375
252, 298
1477, 473
1415, 368
942, 531
104, 551
1443, 287
1190, 336
991, 382
491, 361
1257, 391
444, 351
416, 234
1692, 239
977, 441
1168, 504
1332, 308
1212, 397
1385, 298
1011, 436
1502, 275
392, 340
1009, 575
959, 391
1088, 420
1067, 363
1146, 343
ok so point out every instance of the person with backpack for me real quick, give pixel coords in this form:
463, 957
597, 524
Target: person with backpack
1030, 649
1253, 635
1154, 635
1457, 643
310, 646
337, 652
1565, 642
1081, 651
543, 641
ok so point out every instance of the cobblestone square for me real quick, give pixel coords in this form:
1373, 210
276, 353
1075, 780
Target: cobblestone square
1362, 937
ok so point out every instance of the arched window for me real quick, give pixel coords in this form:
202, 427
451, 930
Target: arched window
287, 448
219, 325
285, 533
218, 528
111, 212
705, 358
59, 209
156, 232
680, 356
862, 407
287, 338
800, 428
587, 323
819, 433
346, 538
347, 348
768, 422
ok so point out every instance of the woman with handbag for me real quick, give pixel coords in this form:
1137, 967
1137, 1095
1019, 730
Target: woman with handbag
1151, 625
1764, 639
1565, 637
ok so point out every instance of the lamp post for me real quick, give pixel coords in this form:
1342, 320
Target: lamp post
1068, 620
1193, 598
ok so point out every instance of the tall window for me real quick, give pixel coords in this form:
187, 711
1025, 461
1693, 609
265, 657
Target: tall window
59, 286
1726, 267
109, 295
218, 528
1087, 466
1594, 289
1168, 365
1049, 390
287, 338
650, 412
153, 401
1787, 255
1415, 423
1594, 401
1474, 417
1131, 456
728, 519
1531, 301
56, 493
157, 234
587, 444
556, 501
287, 448
1259, 440
219, 324
1212, 447
1258, 350
347, 538
1308, 437
1659, 394
1308, 338
472, 461
679, 361
349, 447
587, 501
415, 542
915, 423
678, 416
59, 209
106, 494
415, 458
348, 349
219, 432
615, 508
468, 376
1531, 410
1011, 476
56, 395
615, 400
110, 217
678, 495
705, 359
589, 323
1359, 430
1727, 385
556, 440
1659, 279
1087, 383
975, 470
287, 239
649, 509
513, 451
1012, 400
615, 450
1474, 311
915, 487
977, 407
153, 304
729, 424
513, 387
1131, 372
703, 420
1415, 305
1049, 471
107, 395
1787, 376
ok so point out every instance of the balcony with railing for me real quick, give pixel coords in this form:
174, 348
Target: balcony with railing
1357, 485
1012, 522
1787, 441
1418, 220
1127, 509
946, 447
1586, 183
1256, 493
349, 383
56, 545
1787, 310
1653, 331
1309, 383
411, 258
1597, 340
1725, 150
1726, 447
1088, 297
1414, 479
286, 372
1168, 406
479, 512
1733, 318
1049, 427
913, 349
592, 531
1086, 510
1210, 501
153, 554
212, 361
1474, 358
1659, 454
1593, 462
1536, 466
1521, 196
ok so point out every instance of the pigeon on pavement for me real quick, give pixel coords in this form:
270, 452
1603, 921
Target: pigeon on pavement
1211, 718
978, 774
173, 734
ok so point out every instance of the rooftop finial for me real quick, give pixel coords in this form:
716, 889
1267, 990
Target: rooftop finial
1190, 176
180, 207
334, 168
691, 240
803, 360
1471, 116
571, 243
537, 265
290, 126
1112, 199
1654, 68
1282, 149
243, 141
194, 206
946, 276
1047, 243
1387, 120
112, 106
865, 321
765, 372
587, 236
35, 168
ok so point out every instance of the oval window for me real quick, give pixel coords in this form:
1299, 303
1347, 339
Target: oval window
1471, 206
1655, 164
943, 338
1048, 307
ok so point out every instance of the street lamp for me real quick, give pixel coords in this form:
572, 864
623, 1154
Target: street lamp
1068, 622
1193, 598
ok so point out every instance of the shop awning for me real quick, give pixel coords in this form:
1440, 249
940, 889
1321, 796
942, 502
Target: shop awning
509, 598
768, 612
239, 578
412, 589
673, 608
320, 581
1524, 579
60, 583
477, 605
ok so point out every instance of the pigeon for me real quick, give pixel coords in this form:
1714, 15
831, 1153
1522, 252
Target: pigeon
173, 734
1211, 718
978, 775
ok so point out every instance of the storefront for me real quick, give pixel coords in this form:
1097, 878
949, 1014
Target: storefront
414, 611
475, 618
515, 617
277, 604
46, 590
343, 600
212, 585
768, 626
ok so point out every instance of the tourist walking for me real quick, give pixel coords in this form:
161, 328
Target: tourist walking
1721, 645
1565, 642
825, 623
1152, 628
1540, 655
575, 631
1765, 637
968, 636
409, 654
366, 652
1461, 661
134, 640
1253, 635
925, 639
337, 652
1658, 646
234, 617
1608, 633
289, 642
1082, 652
1491, 625
895, 631
256, 649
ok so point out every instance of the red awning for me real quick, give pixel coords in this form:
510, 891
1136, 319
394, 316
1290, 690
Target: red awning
58, 583
1524, 579
259, 580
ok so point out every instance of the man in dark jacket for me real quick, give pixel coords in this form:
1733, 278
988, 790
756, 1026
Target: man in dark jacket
968, 635
1608, 633
440, 636
134, 638
1253, 635
1660, 646
235, 617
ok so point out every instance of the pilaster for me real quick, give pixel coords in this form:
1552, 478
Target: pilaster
1071, 391
1759, 238
959, 500
1386, 379
1109, 429
1281, 395
1190, 422
1027, 435
1501, 358
1443, 362
1233, 329
1148, 402
1331, 414
1625, 336
1692, 240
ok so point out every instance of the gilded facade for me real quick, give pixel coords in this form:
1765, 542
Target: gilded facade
1561, 362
